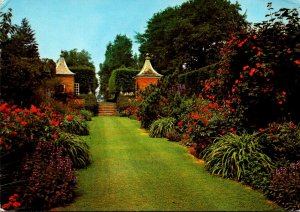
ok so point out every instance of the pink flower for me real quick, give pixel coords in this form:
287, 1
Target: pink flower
297, 62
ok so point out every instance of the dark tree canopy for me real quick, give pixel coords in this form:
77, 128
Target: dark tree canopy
76, 58
189, 35
118, 54
22, 72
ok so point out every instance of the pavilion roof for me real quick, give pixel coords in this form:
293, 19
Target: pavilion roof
148, 70
62, 68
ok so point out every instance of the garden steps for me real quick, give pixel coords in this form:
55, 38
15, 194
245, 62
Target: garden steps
107, 109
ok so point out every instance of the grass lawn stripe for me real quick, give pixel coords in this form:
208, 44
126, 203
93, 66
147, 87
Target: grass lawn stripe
133, 172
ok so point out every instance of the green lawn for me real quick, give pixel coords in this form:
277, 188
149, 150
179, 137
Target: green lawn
131, 171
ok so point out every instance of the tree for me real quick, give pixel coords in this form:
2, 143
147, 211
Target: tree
118, 54
74, 58
190, 34
22, 72
80, 63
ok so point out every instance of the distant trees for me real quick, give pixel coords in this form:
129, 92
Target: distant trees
80, 63
22, 72
118, 54
190, 35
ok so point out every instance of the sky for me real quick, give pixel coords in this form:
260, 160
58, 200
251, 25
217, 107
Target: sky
92, 24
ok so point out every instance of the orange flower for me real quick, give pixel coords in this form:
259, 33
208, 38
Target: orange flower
69, 118
297, 62
24, 123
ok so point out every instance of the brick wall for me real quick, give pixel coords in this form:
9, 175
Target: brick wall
142, 83
68, 81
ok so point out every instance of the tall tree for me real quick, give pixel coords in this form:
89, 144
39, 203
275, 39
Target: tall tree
80, 63
76, 58
22, 72
190, 34
118, 54
24, 41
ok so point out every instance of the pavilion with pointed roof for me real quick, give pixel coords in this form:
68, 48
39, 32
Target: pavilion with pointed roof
65, 76
146, 76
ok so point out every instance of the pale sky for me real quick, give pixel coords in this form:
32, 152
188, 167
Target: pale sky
92, 24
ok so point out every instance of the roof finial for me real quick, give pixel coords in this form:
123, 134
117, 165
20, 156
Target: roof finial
147, 56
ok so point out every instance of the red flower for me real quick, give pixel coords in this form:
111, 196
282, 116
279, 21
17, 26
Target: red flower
33, 109
47, 108
24, 123
231, 129
180, 123
283, 93
252, 71
6, 206
16, 204
18, 110
254, 37
55, 136
69, 118
258, 54
297, 62
53, 122
245, 67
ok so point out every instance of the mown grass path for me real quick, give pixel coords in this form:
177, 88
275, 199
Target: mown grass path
131, 171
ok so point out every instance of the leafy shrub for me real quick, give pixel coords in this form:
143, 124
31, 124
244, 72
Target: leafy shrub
77, 149
73, 124
90, 102
231, 156
161, 127
122, 79
281, 142
173, 135
50, 178
284, 188
86, 115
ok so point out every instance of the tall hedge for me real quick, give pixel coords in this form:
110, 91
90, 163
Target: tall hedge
192, 79
122, 79
86, 77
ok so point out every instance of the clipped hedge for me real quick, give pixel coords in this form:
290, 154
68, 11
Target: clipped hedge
122, 79
192, 79
86, 77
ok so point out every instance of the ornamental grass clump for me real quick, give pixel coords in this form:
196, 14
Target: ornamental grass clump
77, 149
232, 155
161, 127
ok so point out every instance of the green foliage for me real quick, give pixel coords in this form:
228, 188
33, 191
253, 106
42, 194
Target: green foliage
190, 34
74, 58
76, 149
118, 54
281, 143
74, 125
90, 102
122, 79
231, 156
22, 72
284, 188
192, 78
86, 115
86, 77
161, 127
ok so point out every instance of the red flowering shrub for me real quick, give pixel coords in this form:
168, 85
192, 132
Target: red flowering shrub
13, 203
207, 121
258, 73
28, 139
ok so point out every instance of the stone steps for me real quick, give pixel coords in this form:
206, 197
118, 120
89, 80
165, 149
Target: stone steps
107, 109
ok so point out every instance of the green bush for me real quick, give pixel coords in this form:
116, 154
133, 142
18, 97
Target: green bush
86, 115
281, 143
122, 79
161, 127
74, 125
77, 149
231, 156
90, 102
284, 188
